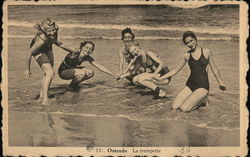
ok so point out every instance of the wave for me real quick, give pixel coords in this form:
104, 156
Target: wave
202, 125
188, 5
202, 30
138, 38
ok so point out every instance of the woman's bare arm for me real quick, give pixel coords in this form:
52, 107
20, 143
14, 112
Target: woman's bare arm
215, 70
122, 60
34, 49
176, 69
102, 68
66, 48
157, 60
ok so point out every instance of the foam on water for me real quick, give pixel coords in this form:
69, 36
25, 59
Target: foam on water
138, 37
202, 125
208, 30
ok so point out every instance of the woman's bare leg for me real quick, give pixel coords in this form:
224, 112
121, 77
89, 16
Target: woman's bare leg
81, 75
203, 103
181, 97
194, 99
49, 74
146, 79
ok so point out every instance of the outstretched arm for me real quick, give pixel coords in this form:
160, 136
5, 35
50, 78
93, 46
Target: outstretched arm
175, 70
102, 68
121, 61
215, 70
132, 62
33, 50
137, 65
66, 48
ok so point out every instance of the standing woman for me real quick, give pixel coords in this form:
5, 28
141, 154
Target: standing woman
71, 69
41, 50
197, 86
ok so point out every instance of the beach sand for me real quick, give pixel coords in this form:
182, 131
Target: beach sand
136, 119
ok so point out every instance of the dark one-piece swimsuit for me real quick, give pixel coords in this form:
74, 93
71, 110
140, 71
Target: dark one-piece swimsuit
198, 77
66, 70
42, 51
162, 72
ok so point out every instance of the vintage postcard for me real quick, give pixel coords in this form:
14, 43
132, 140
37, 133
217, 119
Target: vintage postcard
124, 78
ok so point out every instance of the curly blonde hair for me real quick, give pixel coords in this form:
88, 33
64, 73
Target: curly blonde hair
45, 25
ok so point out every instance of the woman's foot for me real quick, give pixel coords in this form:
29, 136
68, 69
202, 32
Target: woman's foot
203, 104
69, 88
161, 95
46, 102
38, 98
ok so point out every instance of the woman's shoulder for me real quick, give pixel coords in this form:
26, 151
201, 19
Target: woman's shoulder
206, 52
186, 55
123, 50
73, 54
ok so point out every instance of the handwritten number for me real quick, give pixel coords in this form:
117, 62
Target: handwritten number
185, 149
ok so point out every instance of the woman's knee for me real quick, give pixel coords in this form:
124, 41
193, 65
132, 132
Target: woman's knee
184, 108
175, 106
141, 78
50, 73
135, 80
90, 73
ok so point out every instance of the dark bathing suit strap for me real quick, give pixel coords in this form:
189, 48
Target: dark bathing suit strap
200, 56
66, 64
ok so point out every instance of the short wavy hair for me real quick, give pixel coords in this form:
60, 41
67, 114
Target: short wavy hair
188, 34
127, 30
87, 42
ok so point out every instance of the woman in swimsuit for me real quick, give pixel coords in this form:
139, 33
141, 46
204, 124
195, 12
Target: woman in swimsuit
41, 50
71, 69
195, 92
150, 61
125, 57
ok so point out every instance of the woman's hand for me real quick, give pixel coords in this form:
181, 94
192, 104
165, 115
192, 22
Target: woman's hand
117, 77
27, 73
157, 77
222, 87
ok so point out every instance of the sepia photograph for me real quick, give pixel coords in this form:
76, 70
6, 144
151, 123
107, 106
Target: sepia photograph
124, 77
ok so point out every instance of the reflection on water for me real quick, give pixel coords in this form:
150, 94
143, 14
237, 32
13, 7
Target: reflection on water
33, 129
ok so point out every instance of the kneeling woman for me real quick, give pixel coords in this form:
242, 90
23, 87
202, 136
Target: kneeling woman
71, 67
151, 62
197, 86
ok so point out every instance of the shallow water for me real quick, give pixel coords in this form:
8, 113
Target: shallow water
60, 129
103, 95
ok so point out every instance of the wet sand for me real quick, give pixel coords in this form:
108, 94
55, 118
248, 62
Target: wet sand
58, 129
